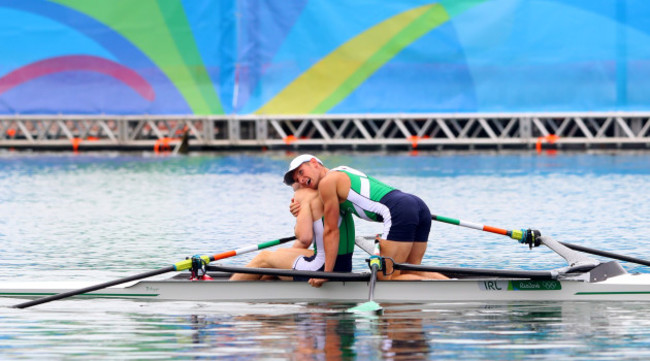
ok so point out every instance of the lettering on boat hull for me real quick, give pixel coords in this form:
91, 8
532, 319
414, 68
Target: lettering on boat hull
528, 285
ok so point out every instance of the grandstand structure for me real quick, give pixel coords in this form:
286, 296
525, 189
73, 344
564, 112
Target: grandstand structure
463, 131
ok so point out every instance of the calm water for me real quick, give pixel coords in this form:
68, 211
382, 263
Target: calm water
107, 216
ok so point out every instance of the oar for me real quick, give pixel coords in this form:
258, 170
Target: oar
179, 266
371, 306
529, 237
522, 235
607, 254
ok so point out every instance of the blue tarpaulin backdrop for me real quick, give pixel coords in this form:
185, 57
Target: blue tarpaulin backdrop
323, 56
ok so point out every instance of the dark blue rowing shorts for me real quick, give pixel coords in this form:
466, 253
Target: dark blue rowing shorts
410, 218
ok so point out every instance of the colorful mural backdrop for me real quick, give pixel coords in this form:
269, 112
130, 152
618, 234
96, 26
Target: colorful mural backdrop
323, 56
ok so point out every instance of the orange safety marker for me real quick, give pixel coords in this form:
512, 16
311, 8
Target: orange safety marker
551, 138
289, 139
162, 144
75, 144
414, 140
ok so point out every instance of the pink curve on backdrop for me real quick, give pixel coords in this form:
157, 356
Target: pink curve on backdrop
78, 63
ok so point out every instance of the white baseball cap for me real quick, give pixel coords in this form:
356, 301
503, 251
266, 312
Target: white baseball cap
295, 163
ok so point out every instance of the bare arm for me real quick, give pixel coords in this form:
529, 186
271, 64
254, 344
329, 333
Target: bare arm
304, 221
329, 195
294, 206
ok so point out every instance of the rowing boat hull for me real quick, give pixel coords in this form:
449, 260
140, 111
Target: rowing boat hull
622, 288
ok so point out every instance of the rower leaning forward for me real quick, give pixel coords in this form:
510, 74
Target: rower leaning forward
308, 230
406, 218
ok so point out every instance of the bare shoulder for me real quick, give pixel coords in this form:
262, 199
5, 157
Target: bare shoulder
327, 185
331, 179
335, 185
335, 182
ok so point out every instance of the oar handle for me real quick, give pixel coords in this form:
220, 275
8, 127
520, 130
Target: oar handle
187, 263
252, 248
528, 236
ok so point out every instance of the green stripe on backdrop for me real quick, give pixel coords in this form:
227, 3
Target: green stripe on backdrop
455, 7
144, 24
181, 32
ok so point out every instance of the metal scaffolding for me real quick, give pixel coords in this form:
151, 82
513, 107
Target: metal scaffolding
344, 131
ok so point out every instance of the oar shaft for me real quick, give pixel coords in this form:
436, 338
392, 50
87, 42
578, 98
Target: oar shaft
375, 263
373, 280
95, 287
520, 234
178, 266
514, 234
606, 254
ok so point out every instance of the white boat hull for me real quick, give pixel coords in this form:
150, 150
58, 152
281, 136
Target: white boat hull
625, 287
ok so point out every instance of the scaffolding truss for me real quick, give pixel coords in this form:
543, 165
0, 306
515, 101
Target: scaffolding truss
422, 131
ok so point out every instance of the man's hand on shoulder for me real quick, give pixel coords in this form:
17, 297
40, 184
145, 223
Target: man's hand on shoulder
294, 207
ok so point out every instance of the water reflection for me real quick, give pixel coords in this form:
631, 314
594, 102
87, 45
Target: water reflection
403, 336
314, 335
436, 331
297, 336
114, 329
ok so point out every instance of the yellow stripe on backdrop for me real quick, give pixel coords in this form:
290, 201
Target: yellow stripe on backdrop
334, 77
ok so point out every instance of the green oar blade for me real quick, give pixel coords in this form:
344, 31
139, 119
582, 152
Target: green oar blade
370, 307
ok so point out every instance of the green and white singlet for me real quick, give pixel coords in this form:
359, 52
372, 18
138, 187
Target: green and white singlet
405, 216
346, 247
364, 196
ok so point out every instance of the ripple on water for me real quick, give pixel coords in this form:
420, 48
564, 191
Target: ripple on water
102, 217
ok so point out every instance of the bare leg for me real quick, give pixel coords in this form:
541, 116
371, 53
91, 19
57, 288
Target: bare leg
415, 257
282, 258
405, 252
398, 251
